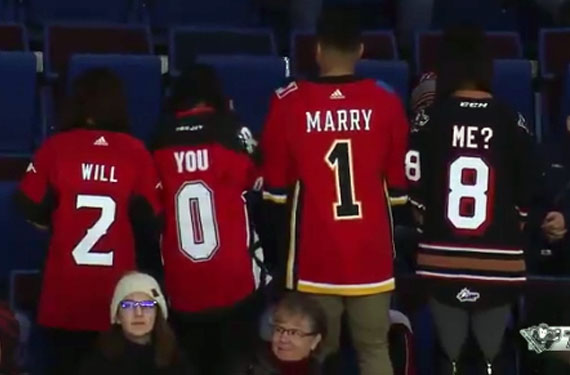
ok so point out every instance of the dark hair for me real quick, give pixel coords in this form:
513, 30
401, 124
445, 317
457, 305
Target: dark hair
339, 28
198, 83
464, 61
112, 343
97, 101
300, 304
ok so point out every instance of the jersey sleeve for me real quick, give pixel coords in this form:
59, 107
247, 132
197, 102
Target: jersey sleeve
397, 183
276, 159
417, 159
524, 167
145, 216
34, 194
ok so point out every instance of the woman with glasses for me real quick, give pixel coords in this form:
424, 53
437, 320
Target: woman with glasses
298, 328
140, 340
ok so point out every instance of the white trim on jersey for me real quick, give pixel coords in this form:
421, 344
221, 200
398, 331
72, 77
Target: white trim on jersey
470, 249
344, 286
470, 277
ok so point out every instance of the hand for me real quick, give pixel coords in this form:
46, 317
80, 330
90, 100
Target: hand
554, 226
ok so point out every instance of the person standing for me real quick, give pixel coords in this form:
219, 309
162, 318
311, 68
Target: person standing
213, 261
331, 148
469, 169
95, 187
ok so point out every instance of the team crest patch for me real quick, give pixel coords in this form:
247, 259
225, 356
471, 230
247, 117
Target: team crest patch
421, 118
284, 91
465, 295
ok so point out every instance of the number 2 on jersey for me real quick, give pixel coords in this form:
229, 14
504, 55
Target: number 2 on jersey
339, 159
82, 252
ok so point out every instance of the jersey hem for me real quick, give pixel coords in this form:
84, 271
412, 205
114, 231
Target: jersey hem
346, 290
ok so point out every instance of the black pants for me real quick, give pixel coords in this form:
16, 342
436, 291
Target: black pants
452, 325
220, 342
67, 349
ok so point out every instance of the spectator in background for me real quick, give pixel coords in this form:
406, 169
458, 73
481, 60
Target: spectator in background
298, 327
9, 340
95, 187
140, 340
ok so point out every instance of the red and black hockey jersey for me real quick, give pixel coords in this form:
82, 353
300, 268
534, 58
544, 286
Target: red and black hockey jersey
208, 242
88, 186
469, 168
340, 142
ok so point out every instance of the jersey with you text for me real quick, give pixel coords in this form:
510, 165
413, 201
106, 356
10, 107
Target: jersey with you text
340, 144
85, 184
469, 168
210, 250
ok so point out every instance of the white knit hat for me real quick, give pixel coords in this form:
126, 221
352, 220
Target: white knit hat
134, 282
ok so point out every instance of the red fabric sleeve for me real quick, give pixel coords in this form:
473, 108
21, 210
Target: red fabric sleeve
399, 127
148, 185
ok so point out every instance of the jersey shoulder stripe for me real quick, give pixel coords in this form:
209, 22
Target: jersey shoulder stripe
286, 90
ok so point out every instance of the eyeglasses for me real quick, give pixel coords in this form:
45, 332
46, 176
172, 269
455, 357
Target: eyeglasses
292, 332
145, 305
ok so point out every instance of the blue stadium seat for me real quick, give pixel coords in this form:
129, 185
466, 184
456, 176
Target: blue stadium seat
502, 45
18, 102
185, 43
143, 85
24, 246
512, 82
40, 12
554, 54
250, 82
167, 13
395, 73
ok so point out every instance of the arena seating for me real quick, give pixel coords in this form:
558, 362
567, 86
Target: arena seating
143, 83
13, 37
41, 12
249, 81
185, 43
502, 45
62, 41
512, 82
394, 73
166, 13
19, 123
378, 45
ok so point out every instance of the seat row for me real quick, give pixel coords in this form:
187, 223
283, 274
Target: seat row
27, 111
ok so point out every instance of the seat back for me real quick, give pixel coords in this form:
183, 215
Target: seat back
13, 37
62, 41
18, 102
512, 82
502, 45
554, 54
249, 81
142, 80
394, 73
378, 45
188, 42
167, 13
40, 12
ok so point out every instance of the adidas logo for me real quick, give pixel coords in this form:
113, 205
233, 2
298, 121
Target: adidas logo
101, 142
31, 168
337, 94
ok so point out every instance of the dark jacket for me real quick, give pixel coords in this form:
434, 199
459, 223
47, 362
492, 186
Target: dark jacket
265, 363
136, 360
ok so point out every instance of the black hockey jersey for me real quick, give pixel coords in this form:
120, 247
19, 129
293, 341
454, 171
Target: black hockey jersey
469, 171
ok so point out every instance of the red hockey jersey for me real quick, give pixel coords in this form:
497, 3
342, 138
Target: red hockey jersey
87, 180
341, 142
207, 244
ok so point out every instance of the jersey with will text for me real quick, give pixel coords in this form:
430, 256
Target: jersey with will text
84, 184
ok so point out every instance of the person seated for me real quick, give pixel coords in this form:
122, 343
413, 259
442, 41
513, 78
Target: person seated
298, 326
140, 340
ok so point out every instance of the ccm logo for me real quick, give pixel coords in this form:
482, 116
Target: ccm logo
473, 105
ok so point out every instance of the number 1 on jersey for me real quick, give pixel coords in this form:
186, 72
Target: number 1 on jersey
339, 159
